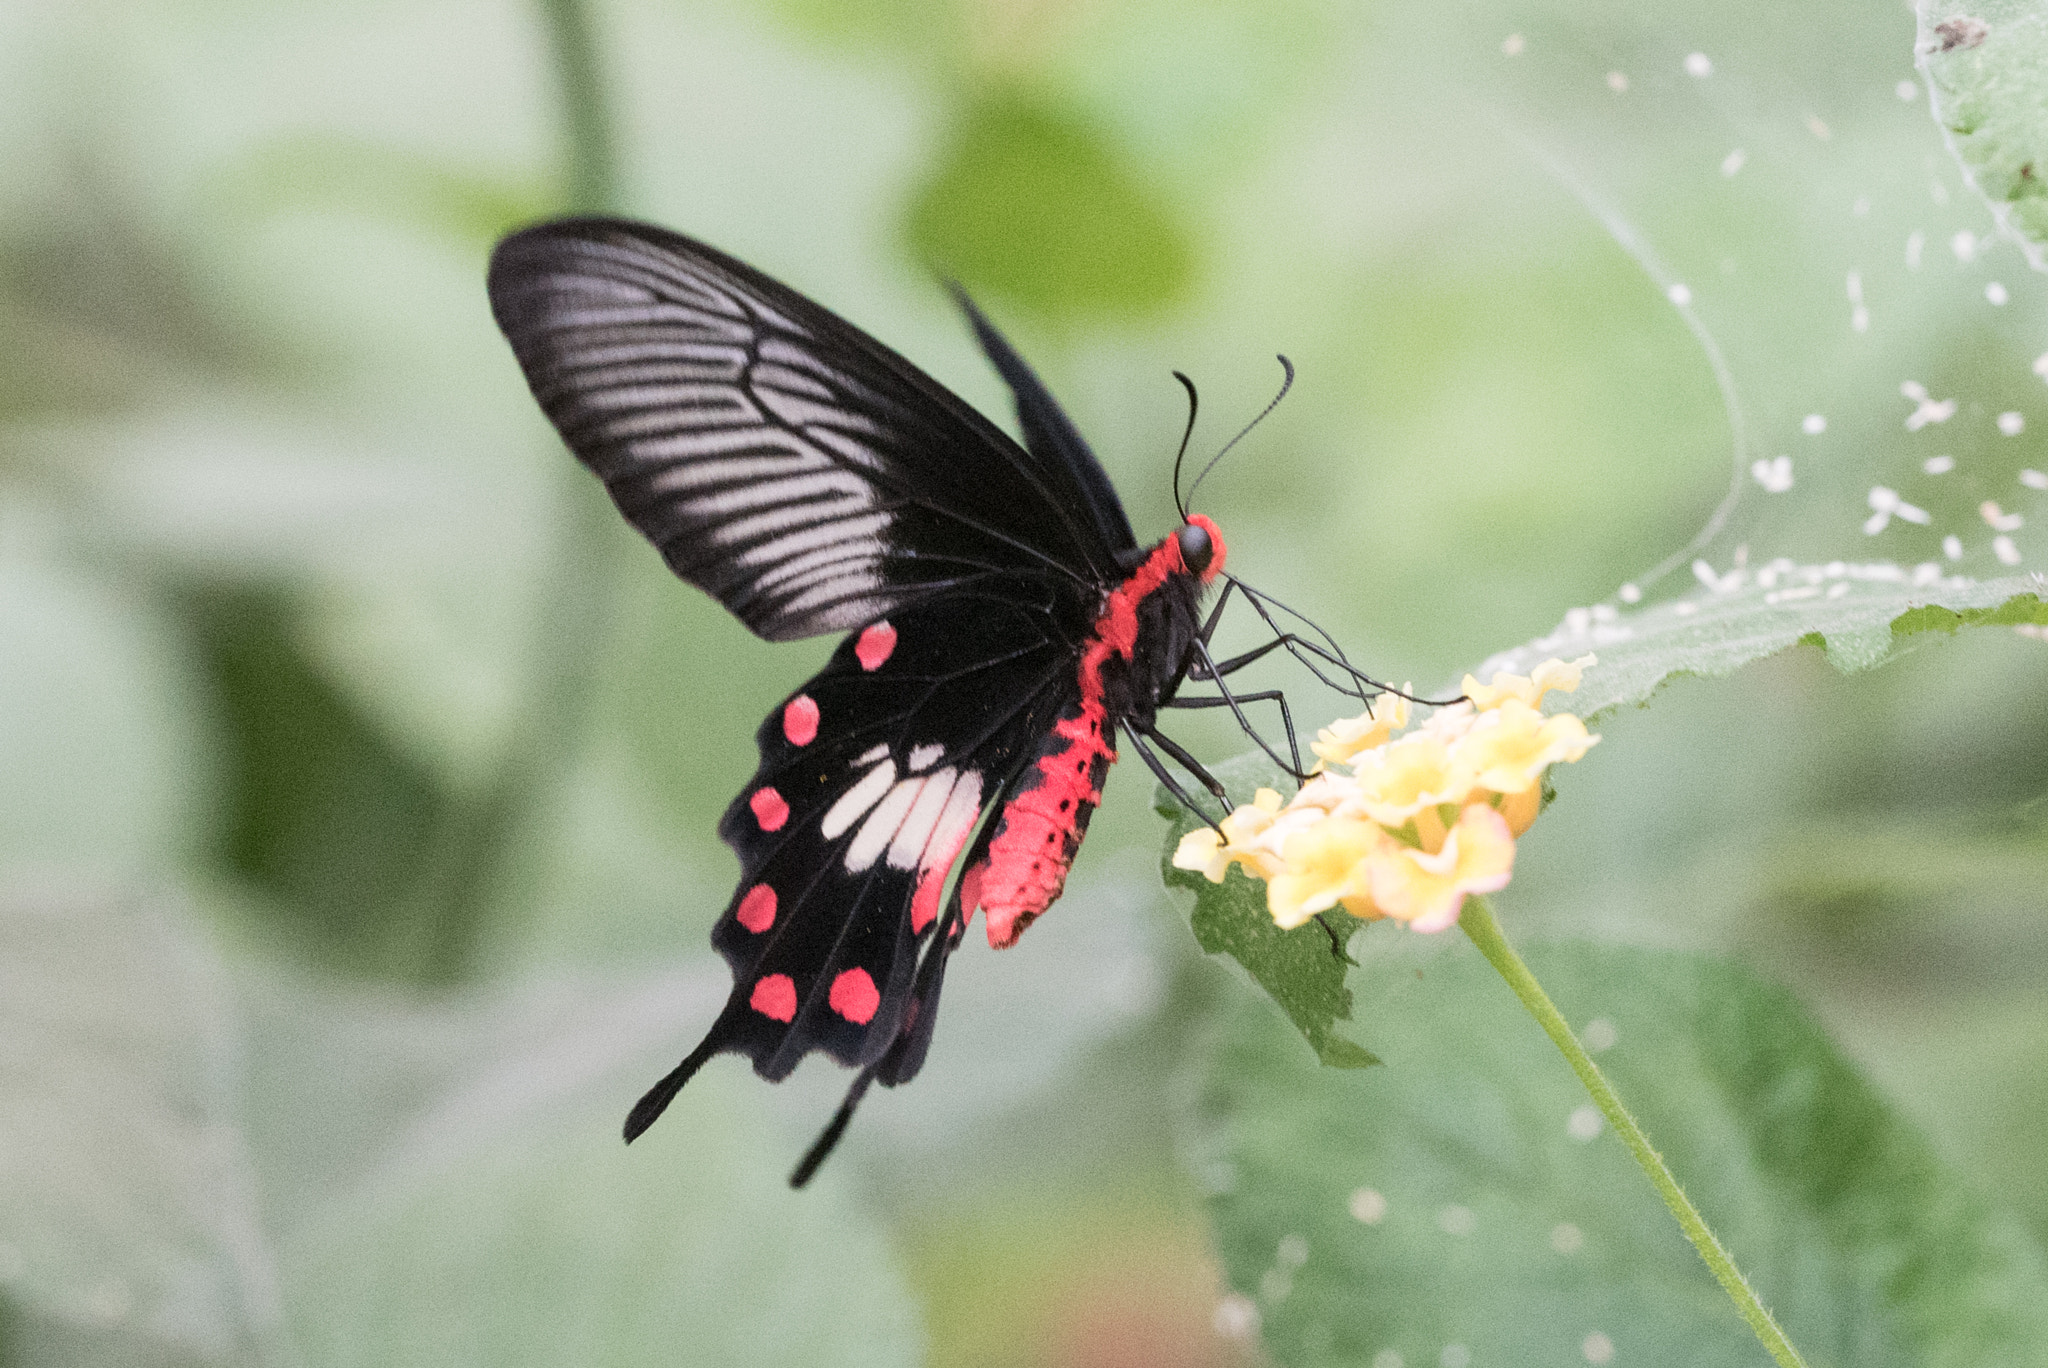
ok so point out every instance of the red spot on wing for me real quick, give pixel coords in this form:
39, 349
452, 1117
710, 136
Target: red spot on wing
877, 642
854, 997
800, 720
775, 997
757, 910
770, 809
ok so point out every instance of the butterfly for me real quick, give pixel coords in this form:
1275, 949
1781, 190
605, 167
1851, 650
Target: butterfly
1004, 625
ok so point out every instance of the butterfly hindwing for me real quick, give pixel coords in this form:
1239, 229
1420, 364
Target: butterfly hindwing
873, 780
781, 459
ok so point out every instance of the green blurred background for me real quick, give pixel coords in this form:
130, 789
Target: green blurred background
361, 768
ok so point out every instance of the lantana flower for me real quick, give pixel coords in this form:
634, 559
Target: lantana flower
1341, 740
1420, 820
1427, 890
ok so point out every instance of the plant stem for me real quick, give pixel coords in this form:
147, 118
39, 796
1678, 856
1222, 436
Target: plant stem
593, 179
1478, 923
573, 613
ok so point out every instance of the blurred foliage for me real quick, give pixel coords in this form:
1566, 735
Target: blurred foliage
356, 869
1985, 63
1029, 207
1478, 1194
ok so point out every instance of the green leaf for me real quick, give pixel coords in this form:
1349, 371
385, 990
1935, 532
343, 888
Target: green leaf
324, 815
127, 1204
1460, 1195
1035, 206
1302, 969
1716, 634
1987, 65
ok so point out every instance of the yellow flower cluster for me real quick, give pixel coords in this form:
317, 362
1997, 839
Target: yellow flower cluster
1419, 821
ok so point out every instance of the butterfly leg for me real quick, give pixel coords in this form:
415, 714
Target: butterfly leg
1165, 776
1325, 650
1180, 755
1353, 687
1234, 702
1336, 941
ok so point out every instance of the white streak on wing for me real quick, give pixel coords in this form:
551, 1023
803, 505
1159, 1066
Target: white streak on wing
722, 401
857, 800
924, 757
751, 439
707, 361
798, 411
705, 479
832, 534
776, 316
849, 450
838, 589
872, 754
881, 825
769, 375
916, 832
819, 565
782, 510
950, 833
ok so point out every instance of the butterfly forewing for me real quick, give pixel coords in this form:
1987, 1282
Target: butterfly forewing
804, 474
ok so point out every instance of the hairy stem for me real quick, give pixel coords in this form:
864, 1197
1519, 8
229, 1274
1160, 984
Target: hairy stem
1478, 923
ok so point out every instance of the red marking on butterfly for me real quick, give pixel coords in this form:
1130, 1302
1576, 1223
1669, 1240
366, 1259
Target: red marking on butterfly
1042, 827
877, 643
854, 997
814, 481
771, 810
756, 911
800, 720
774, 997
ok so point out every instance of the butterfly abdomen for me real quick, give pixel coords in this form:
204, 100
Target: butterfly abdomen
1041, 825
1039, 829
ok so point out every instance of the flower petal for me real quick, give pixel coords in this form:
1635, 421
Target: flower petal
1428, 891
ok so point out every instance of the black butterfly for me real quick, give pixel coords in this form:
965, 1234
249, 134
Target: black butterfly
1006, 625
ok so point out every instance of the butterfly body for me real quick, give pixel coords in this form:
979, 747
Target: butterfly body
1003, 622
1132, 662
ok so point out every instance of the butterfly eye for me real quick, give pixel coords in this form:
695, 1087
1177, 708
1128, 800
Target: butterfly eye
1195, 548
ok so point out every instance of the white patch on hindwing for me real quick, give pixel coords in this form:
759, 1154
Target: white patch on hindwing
858, 799
900, 819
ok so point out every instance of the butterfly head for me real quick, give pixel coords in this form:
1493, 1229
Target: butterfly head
1201, 547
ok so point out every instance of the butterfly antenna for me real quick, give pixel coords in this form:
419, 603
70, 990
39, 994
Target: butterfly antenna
1285, 385
1194, 402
